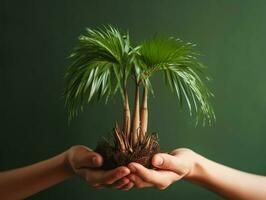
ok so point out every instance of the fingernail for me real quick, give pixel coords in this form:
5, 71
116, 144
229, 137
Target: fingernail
158, 160
94, 160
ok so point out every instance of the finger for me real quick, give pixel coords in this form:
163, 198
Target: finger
163, 178
169, 162
128, 186
91, 159
139, 182
141, 171
158, 178
106, 177
114, 175
121, 183
86, 158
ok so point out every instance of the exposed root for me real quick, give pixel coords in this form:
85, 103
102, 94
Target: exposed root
117, 151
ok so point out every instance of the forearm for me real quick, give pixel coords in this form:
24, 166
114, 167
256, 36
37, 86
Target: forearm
228, 182
26, 181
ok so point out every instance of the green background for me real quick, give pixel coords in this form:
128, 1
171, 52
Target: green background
37, 36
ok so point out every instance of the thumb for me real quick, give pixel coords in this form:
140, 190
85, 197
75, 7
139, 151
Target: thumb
92, 159
86, 159
169, 162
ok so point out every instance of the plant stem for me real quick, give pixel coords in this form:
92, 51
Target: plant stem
126, 117
136, 121
144, 113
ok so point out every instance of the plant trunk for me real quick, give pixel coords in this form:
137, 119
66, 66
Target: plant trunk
144, 113
136, 120
126, 117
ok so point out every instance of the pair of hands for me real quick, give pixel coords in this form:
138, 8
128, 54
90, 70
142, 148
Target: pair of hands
169, 168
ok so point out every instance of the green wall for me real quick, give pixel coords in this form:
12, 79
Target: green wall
37, 36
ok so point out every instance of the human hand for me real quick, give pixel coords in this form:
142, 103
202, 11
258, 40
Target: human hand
168, 169
84, 162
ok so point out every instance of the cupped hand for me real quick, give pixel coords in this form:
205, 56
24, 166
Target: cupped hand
169, 168
85, 162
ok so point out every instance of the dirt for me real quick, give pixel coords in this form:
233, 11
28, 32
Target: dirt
113, 157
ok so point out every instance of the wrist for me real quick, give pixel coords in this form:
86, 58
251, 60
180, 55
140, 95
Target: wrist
197, 167
66, 166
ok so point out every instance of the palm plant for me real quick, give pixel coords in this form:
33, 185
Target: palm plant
103, 63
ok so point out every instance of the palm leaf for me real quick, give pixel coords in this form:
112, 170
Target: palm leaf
182, 71
100, 65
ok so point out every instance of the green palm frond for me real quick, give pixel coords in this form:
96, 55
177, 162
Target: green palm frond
182, 72
100, 65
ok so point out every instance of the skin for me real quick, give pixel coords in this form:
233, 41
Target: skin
78, 160
184, 163
180, 163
